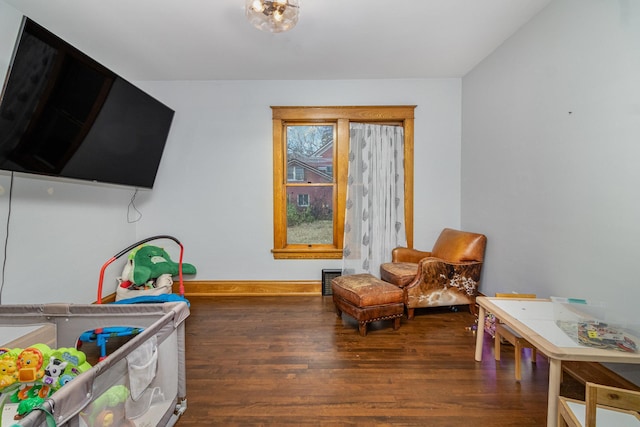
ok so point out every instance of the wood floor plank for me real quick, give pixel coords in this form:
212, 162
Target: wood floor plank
290, 361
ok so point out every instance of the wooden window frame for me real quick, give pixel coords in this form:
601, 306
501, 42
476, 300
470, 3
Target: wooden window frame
342, 116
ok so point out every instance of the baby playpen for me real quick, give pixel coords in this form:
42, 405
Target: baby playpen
141, 383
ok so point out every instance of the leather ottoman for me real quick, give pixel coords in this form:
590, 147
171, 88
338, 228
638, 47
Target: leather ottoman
367, 299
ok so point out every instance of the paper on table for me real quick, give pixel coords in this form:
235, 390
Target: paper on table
539, 317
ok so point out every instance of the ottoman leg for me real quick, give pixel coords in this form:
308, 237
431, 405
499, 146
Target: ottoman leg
396, 323
362, 327
335, 304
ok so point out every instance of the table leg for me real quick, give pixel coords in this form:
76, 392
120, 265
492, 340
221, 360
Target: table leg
480, 333
555, 371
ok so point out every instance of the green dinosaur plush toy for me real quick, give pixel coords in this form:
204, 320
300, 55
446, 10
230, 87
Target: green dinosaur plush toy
150, 262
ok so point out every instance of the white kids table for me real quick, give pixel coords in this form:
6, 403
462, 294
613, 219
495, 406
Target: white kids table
534, 320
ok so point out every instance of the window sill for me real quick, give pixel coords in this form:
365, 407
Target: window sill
307, 253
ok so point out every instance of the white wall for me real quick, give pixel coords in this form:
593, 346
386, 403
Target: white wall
550, 131
214, 189
60, 233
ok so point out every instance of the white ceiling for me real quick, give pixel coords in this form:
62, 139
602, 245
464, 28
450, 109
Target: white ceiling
334, 39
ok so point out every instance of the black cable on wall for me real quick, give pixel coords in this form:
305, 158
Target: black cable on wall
6, 237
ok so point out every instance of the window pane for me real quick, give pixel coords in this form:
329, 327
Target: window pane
295, 173
310, 153
303, 200
311, 223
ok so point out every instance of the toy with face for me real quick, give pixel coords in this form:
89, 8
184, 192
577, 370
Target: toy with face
52, 372
8, 370
30, 362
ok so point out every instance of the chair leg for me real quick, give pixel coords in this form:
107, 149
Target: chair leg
410, 313
518, 358
561, 420
496, 345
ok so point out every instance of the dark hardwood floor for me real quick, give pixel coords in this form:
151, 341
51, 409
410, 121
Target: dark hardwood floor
278, 361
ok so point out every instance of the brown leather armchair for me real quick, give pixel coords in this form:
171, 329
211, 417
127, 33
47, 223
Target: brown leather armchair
447, 275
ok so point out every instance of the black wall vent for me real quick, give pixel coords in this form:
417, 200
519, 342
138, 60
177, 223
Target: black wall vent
327, 275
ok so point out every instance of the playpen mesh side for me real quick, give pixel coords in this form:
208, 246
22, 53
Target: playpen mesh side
76, 402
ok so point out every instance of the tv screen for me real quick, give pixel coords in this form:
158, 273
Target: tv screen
64, 114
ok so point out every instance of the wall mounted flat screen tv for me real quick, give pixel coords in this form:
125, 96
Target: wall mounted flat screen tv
63, 114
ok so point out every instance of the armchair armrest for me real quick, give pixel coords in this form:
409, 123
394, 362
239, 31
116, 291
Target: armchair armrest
434, 274
401, 254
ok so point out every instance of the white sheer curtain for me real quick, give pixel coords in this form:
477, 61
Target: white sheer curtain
374, 220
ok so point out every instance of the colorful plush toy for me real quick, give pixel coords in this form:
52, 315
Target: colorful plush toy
29, 376
64, 365
38, 371
108, 408
31, 362
150, 262
28, 405
8, 367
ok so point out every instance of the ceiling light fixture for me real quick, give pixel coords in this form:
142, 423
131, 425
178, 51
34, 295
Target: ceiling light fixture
274, 16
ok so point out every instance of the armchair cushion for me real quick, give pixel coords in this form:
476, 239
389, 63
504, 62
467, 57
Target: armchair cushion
399, 273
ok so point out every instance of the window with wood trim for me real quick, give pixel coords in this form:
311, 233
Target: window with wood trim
310, 169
